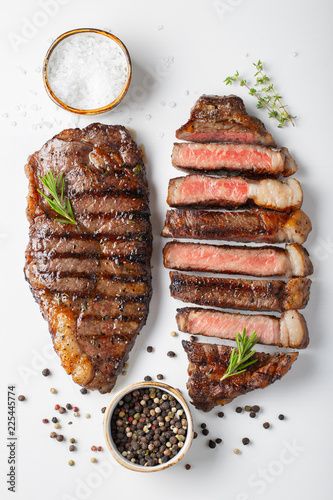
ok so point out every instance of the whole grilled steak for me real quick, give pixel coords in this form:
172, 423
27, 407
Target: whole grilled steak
223, 119
257, 225
208, 362
92, 280
288, 331
252, 295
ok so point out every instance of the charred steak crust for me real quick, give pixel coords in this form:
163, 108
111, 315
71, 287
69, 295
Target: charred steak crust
257, 225
223, 119
208, 362
92, 280
252, 295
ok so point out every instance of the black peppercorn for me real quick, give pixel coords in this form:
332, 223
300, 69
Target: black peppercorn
211, 444
83, 390
255, 408
160, 376
220, 414
281, 416
150, 348
266, 425
245, 441
171, 354
21, 397
218, 440
147, 378
253, 414
239, 409
46, 372
205, 432
187, 466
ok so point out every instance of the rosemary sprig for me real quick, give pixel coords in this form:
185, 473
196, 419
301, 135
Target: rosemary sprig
266, 94
242, 356
56, 197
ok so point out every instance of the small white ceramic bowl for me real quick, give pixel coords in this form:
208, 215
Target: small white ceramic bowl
107, 427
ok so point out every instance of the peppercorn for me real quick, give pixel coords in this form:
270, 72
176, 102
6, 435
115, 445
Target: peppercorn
46, 372
218, 440
255, 408
245, 441
83, 390
193, 338
72, 440
93, 448
220, 414
147, 378
266, 425
53, 390
93, 460
62, 410
71, 462
187, 466
211, 444
54, 420
53, 435
45, 420
60, 437
103, 409
205, 432
238, 409
253, 414
69, 406
237, 451
21, 397
281, 416
247, 408
195, 435
76, 409
57, 425
203, 425
171, 354
160, 376
150, 348
57, 406
72, 447
99, 448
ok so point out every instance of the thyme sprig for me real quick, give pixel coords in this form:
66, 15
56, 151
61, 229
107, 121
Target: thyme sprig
241, 357
56, 197
266, 94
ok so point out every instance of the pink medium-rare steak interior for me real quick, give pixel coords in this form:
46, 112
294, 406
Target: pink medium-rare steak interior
223, 119
288, 331
255, 261
204, 190
234, 157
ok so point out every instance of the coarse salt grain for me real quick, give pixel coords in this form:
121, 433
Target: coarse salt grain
87, 70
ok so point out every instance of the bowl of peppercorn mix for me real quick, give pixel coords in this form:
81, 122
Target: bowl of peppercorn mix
148, 427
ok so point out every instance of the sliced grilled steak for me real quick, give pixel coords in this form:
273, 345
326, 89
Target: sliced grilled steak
223, 119
208, 362
288, 331
228, 192
246, 158
252, 295
92, 280
257, 225
255, 261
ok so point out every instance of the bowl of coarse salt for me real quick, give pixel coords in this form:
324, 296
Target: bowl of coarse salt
87, 71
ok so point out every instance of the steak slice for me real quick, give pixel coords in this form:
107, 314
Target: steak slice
208, 362
223, 119
256, 261
251, 295
228, 192
257, 225
245, 158
288, 331
92, 280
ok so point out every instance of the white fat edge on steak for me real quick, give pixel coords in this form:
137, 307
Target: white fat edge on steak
293, 329
276, 194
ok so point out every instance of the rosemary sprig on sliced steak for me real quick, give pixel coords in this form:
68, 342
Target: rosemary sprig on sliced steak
242, 356
57, 199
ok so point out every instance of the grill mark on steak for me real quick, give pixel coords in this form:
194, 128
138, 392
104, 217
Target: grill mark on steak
223, 119
252, 295
92, 280
255, 225
208, 362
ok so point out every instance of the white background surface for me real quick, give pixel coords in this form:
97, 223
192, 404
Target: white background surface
180, 49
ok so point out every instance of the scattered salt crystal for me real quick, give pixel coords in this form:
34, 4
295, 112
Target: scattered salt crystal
173, 104
187, 92
294, 54
160, 27
88, 70
148, 117
14, 124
